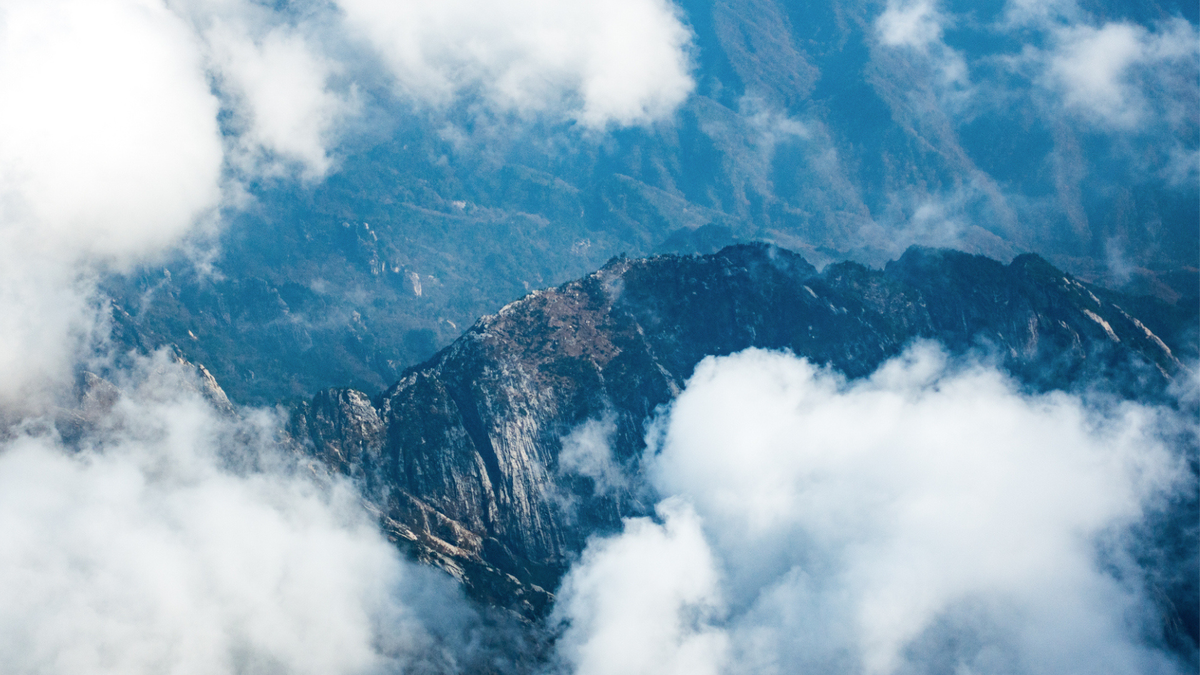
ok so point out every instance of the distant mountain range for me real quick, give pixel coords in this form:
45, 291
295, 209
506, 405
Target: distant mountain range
818, 126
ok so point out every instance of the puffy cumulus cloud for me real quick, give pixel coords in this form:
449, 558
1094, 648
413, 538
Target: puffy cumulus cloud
174, 538
109, 145
286, 92
639, 604
109, 152
623, 62
909, 24
1108, 72
929, 517
111, 148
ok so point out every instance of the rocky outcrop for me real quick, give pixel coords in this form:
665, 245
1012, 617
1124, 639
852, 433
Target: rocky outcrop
461, 456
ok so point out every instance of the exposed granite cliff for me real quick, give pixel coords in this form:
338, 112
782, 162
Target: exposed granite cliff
462, 455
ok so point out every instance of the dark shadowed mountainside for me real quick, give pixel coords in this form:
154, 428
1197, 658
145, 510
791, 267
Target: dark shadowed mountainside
461, 456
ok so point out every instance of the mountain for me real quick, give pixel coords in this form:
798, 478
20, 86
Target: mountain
814, 127
463, 457
249, 227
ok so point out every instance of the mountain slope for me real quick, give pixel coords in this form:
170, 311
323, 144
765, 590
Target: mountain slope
462, 456
809, 127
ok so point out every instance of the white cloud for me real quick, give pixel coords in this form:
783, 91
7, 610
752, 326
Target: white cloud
109, 152
1107, 72
623, 62
278, 77
110, 147
930, 511
177, 540
912, 32
1040, 13
587, 451
1091, 65
910, 24
951, 218
632, 618
285, 106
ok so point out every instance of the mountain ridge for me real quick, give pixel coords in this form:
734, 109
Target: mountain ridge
460, 457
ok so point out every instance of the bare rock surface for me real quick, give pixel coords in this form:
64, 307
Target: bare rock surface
461, 456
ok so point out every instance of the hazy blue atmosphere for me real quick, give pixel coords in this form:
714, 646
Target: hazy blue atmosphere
636, 336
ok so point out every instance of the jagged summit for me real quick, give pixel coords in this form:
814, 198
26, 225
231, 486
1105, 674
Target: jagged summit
461, 455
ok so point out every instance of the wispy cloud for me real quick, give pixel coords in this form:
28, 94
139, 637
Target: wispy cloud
587, 451
918, 27
1103, 104
179, 539
286, 114
110, 153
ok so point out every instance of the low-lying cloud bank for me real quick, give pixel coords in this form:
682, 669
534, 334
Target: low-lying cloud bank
172, 537
930, 518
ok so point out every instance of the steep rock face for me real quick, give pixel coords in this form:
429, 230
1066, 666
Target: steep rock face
345, 427
462, 455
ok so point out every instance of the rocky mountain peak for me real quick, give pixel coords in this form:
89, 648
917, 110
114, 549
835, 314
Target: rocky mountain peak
462, 454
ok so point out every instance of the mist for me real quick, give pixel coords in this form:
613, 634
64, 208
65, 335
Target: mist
596, 63
932, 517
174, 536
